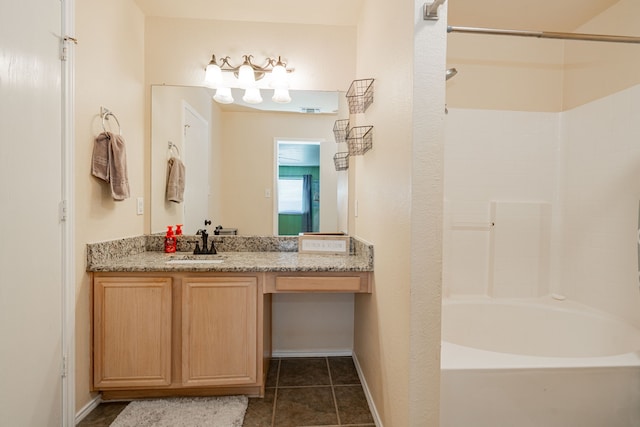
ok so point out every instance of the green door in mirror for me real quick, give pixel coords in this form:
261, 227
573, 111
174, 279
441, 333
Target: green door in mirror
298, 186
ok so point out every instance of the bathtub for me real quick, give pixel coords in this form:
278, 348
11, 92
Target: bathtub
537, 363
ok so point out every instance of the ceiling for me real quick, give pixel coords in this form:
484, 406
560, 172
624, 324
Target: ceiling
323, 12
291, 153
539, 15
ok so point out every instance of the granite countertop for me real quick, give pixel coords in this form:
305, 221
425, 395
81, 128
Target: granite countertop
260, 254
238, 261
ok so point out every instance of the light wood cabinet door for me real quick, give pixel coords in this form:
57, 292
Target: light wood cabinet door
132, 332
219, 331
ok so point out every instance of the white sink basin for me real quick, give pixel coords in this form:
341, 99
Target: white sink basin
194, 261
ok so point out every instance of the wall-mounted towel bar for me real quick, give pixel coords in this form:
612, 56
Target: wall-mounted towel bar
105, 113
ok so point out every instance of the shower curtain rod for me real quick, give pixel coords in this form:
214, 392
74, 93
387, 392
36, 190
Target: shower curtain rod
545, 34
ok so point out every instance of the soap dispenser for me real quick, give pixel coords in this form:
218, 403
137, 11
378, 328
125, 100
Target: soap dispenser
170, 240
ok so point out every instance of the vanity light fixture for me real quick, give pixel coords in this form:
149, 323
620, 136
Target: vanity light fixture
247, 75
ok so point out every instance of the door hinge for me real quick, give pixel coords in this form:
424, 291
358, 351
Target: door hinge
64, 366
62, 211
63, 46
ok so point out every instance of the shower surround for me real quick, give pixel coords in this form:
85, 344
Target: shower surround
545, 203
541, 230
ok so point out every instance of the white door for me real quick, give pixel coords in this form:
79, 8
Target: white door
30, 193
196, 160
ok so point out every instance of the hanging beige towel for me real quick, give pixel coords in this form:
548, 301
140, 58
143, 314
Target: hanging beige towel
100, 157
109, 163
175, 180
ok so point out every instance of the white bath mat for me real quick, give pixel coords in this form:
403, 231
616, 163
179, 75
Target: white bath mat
227, 411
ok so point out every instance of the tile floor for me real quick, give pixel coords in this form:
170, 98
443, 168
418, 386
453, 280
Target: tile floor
315, 391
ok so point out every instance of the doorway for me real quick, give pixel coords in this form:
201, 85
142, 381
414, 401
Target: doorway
297, 187
196, 156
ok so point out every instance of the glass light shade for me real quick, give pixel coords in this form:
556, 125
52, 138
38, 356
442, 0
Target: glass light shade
212, 75
246, 76
252, 95
223, 95
279, 77
281, 96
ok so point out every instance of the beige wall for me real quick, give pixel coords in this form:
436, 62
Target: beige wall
179, 49
110, 73
594, 70
505, 73
397, 331
528, 74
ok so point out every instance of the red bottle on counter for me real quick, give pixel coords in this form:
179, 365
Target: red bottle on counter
170, 241
178, 229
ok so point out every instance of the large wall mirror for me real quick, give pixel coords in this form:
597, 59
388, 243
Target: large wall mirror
237, 157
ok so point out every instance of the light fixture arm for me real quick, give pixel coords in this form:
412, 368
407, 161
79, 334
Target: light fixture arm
259, 70
247, 74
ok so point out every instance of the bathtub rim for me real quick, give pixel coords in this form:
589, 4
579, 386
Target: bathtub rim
459, 357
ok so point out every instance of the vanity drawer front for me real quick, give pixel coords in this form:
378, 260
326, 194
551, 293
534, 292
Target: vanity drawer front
318, 284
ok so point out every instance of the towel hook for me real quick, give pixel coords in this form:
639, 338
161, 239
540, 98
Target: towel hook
105, 113
174, 146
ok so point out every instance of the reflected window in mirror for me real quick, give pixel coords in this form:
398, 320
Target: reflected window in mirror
298, 207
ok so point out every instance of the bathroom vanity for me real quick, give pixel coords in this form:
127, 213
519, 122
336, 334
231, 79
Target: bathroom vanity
177, 324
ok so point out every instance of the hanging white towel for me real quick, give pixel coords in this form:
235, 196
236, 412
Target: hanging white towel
109, 163
175, 180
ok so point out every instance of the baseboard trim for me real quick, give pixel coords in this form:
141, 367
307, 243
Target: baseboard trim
367, 393
93, 404
315, 353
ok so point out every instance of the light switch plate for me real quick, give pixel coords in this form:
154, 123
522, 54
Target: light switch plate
140, 205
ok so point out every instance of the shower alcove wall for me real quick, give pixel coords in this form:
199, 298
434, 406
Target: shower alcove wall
545, 203
542, 167
542, 187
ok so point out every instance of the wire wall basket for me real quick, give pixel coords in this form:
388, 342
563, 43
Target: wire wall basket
340, 130
360, 140
341, 160
360, 95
